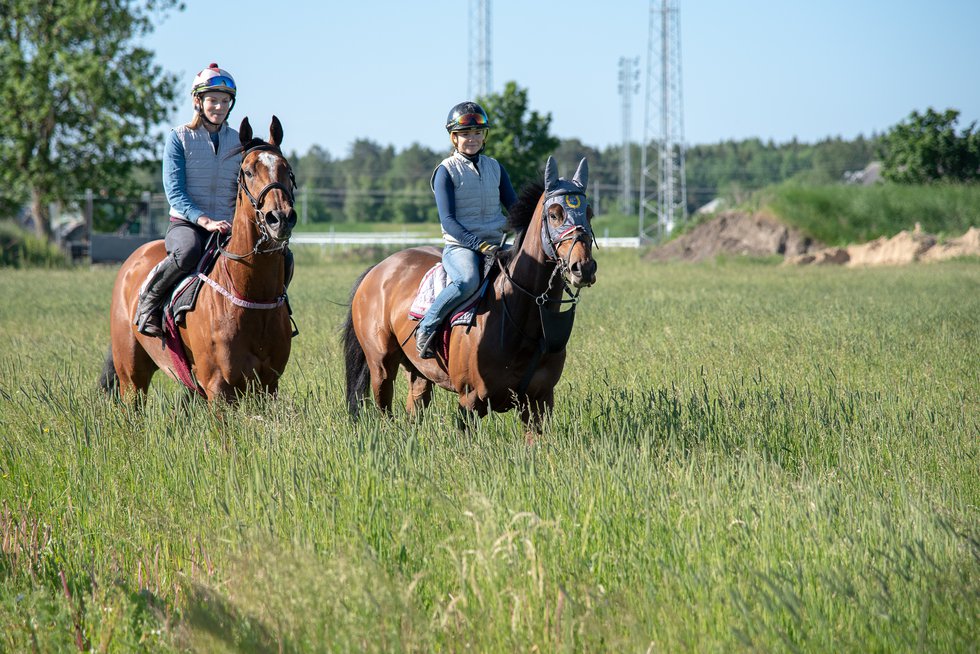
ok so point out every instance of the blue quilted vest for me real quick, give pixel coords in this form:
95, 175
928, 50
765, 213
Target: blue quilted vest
211, 177
477, 197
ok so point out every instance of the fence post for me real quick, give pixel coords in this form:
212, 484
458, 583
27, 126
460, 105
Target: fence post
146, 222
89, 212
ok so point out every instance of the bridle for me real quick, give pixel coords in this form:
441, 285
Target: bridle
556, 325
575, 228
260, 220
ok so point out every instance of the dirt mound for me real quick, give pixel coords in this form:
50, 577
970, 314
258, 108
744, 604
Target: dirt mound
761, 235
903, 248
735, 233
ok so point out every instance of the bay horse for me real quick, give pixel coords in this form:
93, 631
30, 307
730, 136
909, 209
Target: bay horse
238, 336
514, 353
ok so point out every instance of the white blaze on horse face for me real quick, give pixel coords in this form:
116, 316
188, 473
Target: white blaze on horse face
271, 162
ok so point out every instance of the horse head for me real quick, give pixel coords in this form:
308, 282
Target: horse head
267, 181
566, 224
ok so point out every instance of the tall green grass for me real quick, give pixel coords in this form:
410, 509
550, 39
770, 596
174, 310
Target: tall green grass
840, 215
742, 457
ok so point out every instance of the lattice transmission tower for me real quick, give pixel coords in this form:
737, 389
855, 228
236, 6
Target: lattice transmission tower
629, 75
480, 64
663, 183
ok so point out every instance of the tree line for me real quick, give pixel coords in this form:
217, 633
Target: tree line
65, 128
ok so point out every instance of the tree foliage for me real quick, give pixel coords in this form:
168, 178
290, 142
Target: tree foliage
78, 97
926, 148
519, 138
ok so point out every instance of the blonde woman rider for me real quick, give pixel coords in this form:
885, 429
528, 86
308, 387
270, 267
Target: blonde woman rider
200, 176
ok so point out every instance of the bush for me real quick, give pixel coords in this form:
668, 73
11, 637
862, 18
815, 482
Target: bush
22, 249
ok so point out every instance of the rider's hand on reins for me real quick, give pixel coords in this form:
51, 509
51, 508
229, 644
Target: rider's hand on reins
222, 226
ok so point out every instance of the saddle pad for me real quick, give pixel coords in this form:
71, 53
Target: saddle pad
434, 280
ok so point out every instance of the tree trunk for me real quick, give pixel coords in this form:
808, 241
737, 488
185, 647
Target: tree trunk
39, 214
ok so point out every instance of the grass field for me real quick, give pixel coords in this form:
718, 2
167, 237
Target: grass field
743, 457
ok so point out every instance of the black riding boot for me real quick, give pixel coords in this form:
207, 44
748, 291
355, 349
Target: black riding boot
152, 295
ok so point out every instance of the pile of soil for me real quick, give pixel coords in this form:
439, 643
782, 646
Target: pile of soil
761, 235
756, 235
903, 248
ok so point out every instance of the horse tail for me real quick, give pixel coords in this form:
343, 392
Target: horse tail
357, 374
109, 381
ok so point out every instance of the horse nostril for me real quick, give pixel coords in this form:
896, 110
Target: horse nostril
291, 217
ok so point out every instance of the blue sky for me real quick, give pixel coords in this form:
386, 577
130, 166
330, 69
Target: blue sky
389, 70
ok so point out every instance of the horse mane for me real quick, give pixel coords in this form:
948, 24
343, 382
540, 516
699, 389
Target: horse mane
520, 214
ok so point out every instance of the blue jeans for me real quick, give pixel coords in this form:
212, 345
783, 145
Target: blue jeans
463, 268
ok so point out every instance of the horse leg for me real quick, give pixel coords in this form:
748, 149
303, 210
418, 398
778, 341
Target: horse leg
534, 412
471, 409
383, 374
134, 367
419, 393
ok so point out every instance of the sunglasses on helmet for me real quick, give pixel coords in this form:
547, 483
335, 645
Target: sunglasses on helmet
471, 120
218, 81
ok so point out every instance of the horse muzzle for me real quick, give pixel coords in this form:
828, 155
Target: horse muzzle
582, 273
280, 223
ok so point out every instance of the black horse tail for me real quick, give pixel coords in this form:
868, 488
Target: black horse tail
355, 362
109, 381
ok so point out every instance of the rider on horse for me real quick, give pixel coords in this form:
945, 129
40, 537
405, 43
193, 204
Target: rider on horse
200, 176
469, 187
201, 161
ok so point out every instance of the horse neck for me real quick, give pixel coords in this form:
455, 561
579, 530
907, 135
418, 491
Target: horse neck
259, 275
531, 270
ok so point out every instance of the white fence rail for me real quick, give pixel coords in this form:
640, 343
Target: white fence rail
408, 239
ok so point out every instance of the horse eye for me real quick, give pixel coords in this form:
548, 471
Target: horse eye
248, 173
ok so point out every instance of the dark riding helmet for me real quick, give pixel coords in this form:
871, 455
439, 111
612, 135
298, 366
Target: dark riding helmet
467, 117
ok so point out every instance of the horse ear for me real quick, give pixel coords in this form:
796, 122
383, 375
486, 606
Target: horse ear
550, 175
245, 131
275, 132
582, 174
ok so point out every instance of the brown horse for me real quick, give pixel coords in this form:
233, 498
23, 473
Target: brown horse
515, 352
238, 335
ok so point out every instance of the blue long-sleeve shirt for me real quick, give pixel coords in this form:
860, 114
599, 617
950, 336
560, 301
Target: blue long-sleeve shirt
445, 193
175, 178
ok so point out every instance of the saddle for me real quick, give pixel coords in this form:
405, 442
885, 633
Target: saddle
436, 279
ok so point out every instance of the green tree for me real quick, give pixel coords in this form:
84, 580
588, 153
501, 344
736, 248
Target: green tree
364, 172
519, 138
926, 148
78, 97
407, 183
317, 179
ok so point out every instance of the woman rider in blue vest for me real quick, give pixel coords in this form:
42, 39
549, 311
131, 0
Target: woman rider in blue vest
470, 188
200, 176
